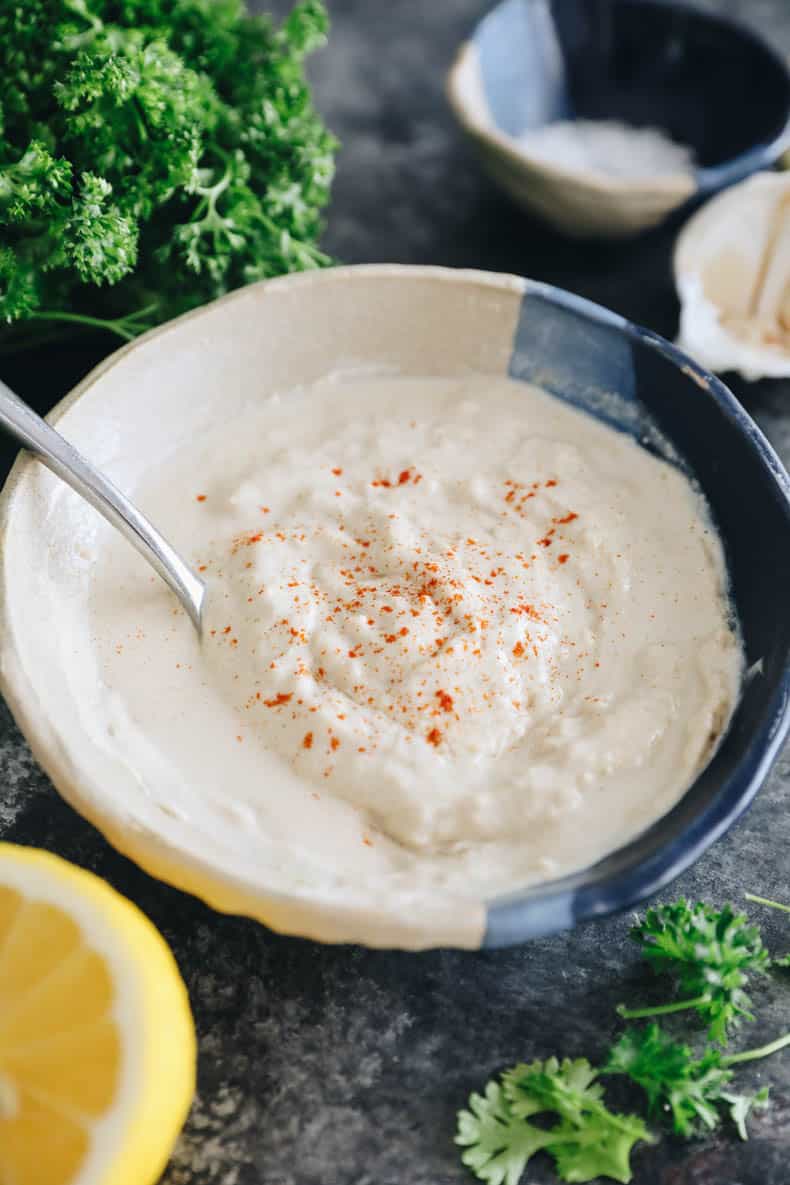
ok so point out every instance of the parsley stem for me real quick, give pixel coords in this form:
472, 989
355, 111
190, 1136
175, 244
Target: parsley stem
127, 327
767, 901
83, 319
662, 1009
750, 1055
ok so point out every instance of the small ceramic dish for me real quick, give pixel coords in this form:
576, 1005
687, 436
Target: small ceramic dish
180, 380
648, 63
732, 273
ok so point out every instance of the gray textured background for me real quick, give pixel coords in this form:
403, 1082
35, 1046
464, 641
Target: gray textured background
341, 1066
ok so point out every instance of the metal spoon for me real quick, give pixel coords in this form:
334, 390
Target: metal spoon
57, 454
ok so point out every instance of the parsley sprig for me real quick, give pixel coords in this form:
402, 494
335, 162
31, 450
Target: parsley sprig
587, 1140
710, 953
693, 1091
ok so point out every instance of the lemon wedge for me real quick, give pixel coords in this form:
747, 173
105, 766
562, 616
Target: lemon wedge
97, 1045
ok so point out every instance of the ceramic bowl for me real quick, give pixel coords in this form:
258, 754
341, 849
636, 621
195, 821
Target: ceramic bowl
179, 380
731, 259
645, 62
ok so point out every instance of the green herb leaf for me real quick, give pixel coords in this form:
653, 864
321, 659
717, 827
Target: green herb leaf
590, 1141
586, 1139
710, 952
741, 1106
497, 1143
693, 1091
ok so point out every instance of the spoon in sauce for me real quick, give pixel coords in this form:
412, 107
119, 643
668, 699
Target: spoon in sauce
70, 466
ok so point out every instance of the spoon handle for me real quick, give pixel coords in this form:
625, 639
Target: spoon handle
62, 458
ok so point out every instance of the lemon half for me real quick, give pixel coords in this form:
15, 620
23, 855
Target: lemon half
97, 1044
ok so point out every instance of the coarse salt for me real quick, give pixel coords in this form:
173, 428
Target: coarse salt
607, 148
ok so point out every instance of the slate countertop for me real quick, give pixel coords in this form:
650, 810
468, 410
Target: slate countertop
343, 1066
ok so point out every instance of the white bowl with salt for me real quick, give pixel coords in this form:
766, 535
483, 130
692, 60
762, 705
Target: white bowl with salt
604, 178
603, 117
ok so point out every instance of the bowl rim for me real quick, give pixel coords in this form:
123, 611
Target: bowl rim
702, 181
507, 919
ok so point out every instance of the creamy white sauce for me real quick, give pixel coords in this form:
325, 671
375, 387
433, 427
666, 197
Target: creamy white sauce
458, 634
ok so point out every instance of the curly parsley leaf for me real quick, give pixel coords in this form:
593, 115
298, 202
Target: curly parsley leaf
586, 1139
742, 1105
590, 1140
710, 953
693, 1091
153, 153
497, 1143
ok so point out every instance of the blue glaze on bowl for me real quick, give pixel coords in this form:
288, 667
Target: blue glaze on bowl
641, 384
709, 82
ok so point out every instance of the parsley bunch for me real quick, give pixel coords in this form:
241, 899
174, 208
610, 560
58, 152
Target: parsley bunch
154, 154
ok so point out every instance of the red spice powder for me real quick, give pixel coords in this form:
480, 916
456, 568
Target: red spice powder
403, 478
420, 584
527, 609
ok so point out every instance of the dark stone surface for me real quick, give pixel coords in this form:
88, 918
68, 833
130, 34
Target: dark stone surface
342, 1066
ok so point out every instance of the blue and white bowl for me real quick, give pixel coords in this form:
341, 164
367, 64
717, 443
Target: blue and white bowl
193, 373
709, 83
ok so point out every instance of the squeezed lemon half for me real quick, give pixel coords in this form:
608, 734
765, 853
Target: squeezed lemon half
97, 1045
